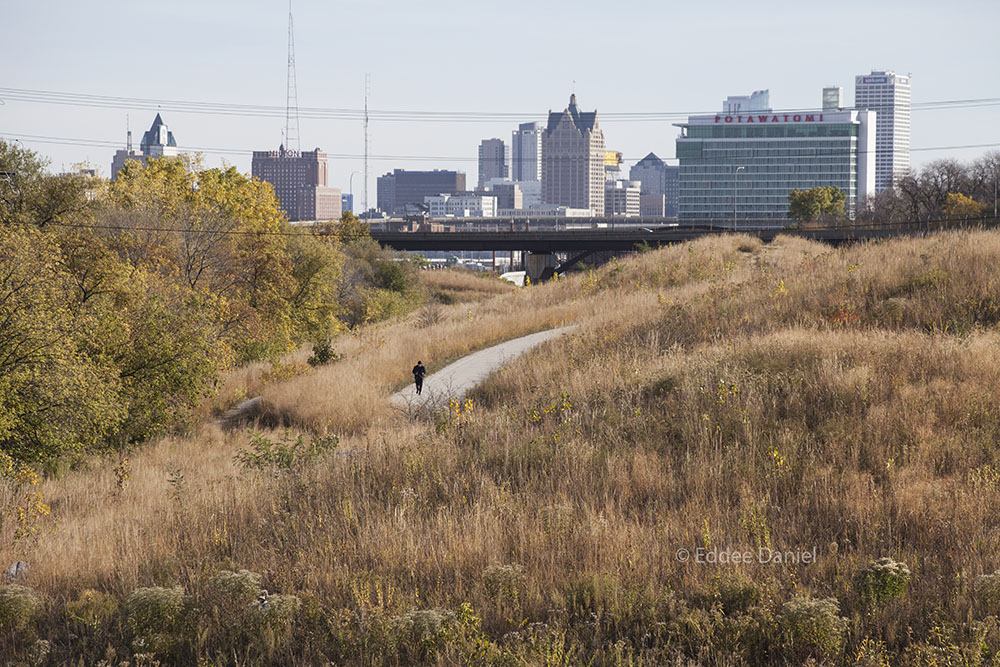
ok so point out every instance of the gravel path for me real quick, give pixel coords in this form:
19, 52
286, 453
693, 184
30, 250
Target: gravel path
455, 380
452, 381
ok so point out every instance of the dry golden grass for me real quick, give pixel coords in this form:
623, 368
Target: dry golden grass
717, 394
457, 285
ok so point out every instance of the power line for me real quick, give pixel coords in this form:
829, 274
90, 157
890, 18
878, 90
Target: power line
100, 143
394, 115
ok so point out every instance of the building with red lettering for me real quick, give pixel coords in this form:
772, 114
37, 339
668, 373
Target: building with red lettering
739, 168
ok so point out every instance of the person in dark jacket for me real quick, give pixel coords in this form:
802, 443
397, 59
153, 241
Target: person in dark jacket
418, 376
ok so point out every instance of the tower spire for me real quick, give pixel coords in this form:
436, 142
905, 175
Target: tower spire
292, 99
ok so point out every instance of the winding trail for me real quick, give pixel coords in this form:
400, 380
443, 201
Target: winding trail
456, 379
453, 381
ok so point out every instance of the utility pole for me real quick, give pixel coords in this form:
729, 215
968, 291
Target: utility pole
995, 174
735, 174
368, 89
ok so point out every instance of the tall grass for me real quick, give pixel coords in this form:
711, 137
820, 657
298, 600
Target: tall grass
718, 395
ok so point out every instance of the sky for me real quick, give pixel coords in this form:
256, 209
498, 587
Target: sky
517, 56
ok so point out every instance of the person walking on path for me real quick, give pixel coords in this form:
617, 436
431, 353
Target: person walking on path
418, 376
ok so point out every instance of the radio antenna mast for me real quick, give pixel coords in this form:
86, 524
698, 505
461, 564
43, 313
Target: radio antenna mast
292, 100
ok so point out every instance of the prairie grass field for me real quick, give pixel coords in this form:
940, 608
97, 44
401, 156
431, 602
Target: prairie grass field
831, 413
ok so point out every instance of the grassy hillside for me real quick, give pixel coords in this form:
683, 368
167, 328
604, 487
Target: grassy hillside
720, 398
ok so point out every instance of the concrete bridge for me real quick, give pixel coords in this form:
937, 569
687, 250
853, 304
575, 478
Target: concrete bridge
542, 243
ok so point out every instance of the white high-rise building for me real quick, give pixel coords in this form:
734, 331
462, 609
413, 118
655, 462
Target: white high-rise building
888, 95
758, 100
492, 160
741, 167
526, 152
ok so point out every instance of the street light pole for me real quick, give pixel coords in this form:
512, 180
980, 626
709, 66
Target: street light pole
350, 180
735, 174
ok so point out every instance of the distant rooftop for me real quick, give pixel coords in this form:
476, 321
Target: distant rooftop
583, 121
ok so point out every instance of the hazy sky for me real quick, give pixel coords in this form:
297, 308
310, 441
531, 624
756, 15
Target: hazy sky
441, 55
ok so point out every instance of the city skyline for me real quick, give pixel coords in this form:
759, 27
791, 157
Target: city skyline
236, 54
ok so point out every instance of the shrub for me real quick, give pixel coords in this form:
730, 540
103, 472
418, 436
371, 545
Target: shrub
735, 593
284, 454
987, 587
242, 586
504, 583
154, 617
883, 580
18, 606
812, 628
242, 614
92, 608
278, 611
421, 633
323, 354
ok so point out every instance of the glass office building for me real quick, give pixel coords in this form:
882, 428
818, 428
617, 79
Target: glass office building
742, 167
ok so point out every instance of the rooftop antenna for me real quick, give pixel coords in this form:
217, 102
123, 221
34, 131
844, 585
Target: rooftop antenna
368, 90
292, 101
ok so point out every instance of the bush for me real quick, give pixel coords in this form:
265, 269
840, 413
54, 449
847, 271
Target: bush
18, 606
242, 586
883, 580
323, 354
92, 608
987, 587
812, 628
284, 454
504, 584
421, 633
155, 617
242, 614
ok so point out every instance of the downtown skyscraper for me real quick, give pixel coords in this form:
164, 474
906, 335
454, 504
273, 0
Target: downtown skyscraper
492, 160
888, 95
526, 152
573, 160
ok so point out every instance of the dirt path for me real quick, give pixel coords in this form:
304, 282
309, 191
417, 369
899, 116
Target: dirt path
455, 380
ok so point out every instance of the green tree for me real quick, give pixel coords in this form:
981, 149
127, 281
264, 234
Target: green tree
809, 205
226, 238
959, 206
317, 267
28, 195
54, 395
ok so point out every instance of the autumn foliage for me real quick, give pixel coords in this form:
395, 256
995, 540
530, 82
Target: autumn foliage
120, 306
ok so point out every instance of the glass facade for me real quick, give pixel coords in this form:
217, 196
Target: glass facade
746, 172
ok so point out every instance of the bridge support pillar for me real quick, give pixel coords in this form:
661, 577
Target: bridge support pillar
540, 265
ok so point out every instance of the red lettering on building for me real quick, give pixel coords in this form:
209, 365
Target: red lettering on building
796, 118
